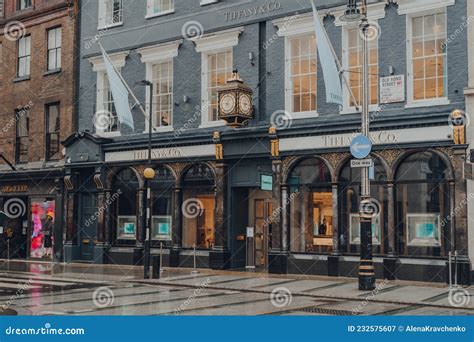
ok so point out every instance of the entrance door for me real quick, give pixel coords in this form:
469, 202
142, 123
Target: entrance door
88, 226
263, 212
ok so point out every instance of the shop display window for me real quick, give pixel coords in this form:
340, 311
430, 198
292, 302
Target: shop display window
42, 228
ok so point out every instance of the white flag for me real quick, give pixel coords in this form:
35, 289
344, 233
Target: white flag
119, 91
332, 80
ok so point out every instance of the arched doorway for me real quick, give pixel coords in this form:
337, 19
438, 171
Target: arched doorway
124, 218
422, 205
162, 194
311, 210
349, 199
198, 208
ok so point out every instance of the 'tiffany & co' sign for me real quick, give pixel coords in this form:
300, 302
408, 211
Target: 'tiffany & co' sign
248, 12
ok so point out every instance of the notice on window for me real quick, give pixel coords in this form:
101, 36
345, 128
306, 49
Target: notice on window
392, 89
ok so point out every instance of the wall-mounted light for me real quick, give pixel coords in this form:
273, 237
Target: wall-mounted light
391, 70
251, 58
185, 98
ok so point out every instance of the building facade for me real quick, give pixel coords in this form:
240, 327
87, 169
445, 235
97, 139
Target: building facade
286, 175
37, 91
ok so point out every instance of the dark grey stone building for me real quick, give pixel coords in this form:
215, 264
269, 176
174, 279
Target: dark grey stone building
285, 178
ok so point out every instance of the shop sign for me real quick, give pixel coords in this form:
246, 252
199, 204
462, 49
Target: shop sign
14, 188
266, 182
162, 153
396, 136
392, 89
360, 163
269, 7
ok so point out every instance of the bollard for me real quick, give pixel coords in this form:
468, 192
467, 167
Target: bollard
455, 268
194, 271
156, 267
450, 271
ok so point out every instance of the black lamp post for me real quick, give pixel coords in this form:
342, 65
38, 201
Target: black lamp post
366, 266
149, 174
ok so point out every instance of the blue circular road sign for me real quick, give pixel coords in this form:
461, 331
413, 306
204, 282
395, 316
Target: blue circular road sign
361, 147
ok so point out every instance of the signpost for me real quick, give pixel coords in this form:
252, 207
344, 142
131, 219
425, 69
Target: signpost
360, 163
361, 147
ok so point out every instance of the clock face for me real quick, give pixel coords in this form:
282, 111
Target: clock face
245, 104
227, 103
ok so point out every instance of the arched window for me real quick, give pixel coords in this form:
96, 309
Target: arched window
422, 193
349, 205
126, 185
198, 207
162, 194
311, 213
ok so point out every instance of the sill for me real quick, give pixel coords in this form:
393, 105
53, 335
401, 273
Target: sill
303, 115
109, 134
21, 79
428, 103
105, 27
159, 14
353, 110
218, 123
52, 72
208, 2
161, 129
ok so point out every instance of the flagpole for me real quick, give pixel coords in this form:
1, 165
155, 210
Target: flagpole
123, 81
341, 71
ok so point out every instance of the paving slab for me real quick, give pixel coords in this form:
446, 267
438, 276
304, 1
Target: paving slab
410, 294
303, 285
254, 282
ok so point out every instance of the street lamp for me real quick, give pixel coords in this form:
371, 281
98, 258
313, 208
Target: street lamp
366, 266
148, 174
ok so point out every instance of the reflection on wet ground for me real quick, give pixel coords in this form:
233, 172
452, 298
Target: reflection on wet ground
31, 288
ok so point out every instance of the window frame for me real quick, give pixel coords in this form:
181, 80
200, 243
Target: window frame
289, 95
209, 44
48, 134
411, 102
26, 56
18, 137
118, 60
21, 8
103, 14
57, 49
151, 14
347, 108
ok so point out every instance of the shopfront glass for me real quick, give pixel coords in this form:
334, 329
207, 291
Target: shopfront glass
198, 207
162, 192
126, 207
422, 193
311, 212
349, 204
42, 228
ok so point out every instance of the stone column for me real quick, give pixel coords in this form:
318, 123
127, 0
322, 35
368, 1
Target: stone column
333, 259
390, 262
219, 256
278, 255
177, 227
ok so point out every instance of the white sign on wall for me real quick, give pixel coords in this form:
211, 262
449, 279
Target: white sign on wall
392, 89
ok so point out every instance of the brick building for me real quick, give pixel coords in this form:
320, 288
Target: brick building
37, 100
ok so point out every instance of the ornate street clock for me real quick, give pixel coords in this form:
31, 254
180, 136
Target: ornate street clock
235, 104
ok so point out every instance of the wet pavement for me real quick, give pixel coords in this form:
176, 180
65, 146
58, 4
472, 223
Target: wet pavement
32, 288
